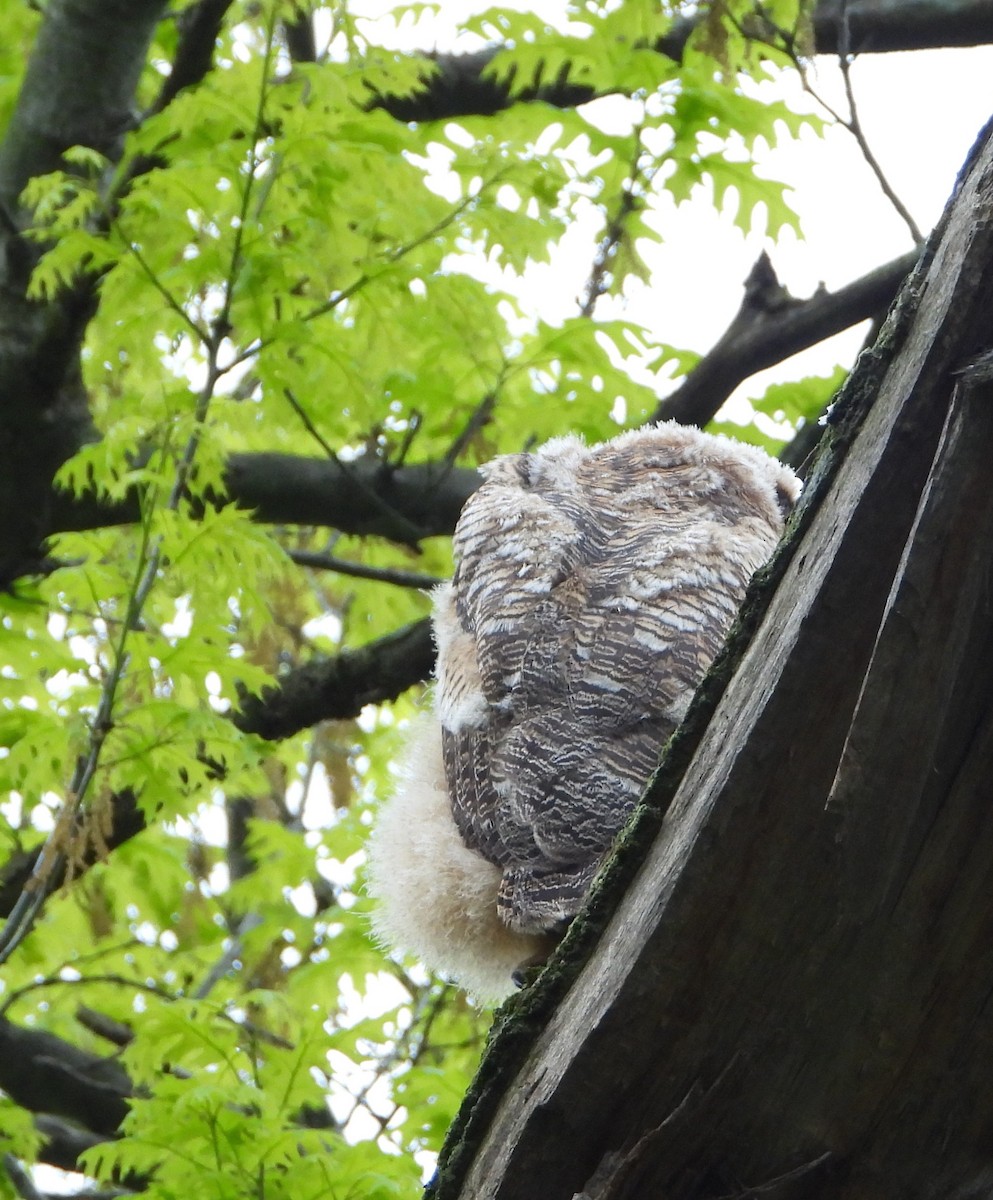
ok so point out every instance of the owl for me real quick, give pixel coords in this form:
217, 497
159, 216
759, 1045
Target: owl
593, 587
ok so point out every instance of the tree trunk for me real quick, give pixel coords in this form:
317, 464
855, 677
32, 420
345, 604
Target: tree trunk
792, 995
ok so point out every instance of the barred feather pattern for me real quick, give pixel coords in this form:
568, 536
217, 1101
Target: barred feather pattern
593, 588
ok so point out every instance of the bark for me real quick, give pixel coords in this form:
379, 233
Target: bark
79, 86
783, 984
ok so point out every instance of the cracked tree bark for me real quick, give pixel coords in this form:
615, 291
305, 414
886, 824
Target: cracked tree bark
793, 991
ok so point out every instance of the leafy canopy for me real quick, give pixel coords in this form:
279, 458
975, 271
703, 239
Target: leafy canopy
283, 267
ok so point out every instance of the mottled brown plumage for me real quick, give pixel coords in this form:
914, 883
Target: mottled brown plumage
593, 588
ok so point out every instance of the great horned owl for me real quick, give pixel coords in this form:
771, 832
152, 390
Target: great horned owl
593, 587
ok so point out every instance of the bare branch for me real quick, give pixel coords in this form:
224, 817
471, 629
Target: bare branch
340, 687
391, 575
769, 327
884, 26
199, 26
854, 126
299, 34
610, 242
45, 1074
852, 123
361, 497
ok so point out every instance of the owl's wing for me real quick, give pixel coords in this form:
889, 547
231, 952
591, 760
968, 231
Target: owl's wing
592, 590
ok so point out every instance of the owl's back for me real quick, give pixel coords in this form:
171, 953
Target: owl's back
593, 588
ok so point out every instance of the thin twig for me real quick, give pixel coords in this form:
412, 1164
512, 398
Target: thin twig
854, 126
479, 418
171, 302
613, 235
311, 428
120, 981
852, 123
405, 528
415, 420
326, 562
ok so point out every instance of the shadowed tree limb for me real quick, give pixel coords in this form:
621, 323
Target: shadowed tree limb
44, 1073
769, 327
460, 85
340, 687
365, 497
199, 27
369, 497
78, 90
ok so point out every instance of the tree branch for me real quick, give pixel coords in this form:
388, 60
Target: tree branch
79, 1098
127, 819
340, 687
769, 327
64, 1141
341, 566
460, 86
199, 26
45, 1074
884, 26
365, 497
